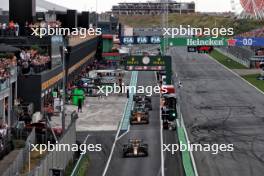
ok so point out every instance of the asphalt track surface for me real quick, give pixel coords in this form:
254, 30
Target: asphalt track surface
219, 107
142, 166
97, 159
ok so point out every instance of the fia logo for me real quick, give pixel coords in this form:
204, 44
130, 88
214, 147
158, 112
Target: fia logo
142, 40
128, 40
155, 40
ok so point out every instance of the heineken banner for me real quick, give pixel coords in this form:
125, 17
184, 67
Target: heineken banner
196, 41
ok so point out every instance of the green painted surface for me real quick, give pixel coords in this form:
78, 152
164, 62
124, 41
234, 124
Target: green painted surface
107, 45
253, 80
130, 103
186, 158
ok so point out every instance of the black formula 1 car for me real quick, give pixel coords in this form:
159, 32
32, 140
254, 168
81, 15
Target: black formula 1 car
144, 104
135, 148
139, 118
139, 97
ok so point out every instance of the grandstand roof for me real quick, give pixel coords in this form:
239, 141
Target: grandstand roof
42, 5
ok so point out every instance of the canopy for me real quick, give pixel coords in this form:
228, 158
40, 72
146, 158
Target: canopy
8, 49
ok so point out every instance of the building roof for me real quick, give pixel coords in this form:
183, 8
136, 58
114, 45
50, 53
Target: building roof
42, 5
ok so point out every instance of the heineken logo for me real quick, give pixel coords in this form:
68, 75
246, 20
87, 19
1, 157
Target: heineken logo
203, 42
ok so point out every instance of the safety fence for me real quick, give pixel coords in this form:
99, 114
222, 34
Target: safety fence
57, 159
238, 54
22, 157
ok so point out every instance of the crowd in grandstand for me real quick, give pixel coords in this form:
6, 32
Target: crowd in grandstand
44, 24
5, 65
9, 29
13, 29
32, 61
253, 33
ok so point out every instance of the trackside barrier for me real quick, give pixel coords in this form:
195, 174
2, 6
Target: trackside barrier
244, 62
57, 159
22, 158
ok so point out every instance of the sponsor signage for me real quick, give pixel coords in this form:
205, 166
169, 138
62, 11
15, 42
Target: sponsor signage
194, 41
146, 61
150, 63
126, 40
210, 41
198, 41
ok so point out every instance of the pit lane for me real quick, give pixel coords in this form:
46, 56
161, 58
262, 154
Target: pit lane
147, 166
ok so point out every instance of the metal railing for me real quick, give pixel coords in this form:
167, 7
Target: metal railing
57, 159
4, 85
240, 55
22, 157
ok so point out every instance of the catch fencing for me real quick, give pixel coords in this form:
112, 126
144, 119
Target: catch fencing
241, 55
57, 159
22, 158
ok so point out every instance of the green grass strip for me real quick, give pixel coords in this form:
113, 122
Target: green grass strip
186, 158
82, 166
226, 61
253, 80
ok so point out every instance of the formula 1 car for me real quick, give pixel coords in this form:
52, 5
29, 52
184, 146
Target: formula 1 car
139, 118
145, 104
135, 148
139, 97
139, 109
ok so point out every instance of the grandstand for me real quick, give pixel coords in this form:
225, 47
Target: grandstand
247, 54
253, 33
152, 8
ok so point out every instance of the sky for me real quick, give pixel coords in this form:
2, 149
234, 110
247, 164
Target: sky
106, 5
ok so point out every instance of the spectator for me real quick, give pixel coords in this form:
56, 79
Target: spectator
4, 28
17, 29
5, 66
1, 30
33, 60
79, 105
11, 27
